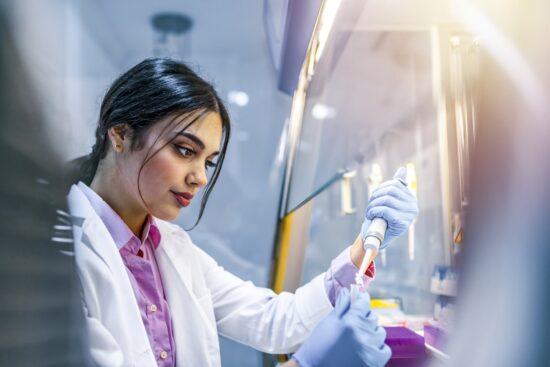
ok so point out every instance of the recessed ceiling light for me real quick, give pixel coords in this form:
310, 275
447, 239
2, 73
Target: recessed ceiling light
238, 98
321, 111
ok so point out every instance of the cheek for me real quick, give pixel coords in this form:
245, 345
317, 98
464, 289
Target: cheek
160, 174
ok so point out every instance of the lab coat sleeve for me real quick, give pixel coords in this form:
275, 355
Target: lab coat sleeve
258, 317
104, 350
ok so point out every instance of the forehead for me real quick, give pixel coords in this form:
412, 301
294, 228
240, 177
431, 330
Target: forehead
208, 128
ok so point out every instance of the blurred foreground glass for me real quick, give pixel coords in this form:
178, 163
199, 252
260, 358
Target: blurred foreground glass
40, 310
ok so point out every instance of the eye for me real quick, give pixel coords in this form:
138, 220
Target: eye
210, 164
185, 152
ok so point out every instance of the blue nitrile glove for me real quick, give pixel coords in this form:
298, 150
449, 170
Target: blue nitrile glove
349, 336
394, 202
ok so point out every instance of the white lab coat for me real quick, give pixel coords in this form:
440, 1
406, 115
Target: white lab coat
205, 300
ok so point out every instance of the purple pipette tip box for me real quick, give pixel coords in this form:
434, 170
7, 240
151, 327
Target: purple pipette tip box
435, 337
407, 347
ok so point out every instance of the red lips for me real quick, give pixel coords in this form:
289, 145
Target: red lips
183, 198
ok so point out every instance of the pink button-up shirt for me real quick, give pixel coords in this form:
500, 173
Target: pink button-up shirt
138, 254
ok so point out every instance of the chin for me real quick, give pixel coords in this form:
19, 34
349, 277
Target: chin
167, 215
171, 217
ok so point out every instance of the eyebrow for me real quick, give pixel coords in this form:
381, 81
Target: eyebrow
195, 139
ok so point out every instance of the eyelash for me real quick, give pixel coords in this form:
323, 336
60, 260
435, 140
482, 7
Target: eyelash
181, 150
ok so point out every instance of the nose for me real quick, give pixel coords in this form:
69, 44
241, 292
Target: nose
197, 176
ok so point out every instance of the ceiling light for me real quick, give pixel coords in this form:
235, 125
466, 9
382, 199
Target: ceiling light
172, 35
322, 112
238, 98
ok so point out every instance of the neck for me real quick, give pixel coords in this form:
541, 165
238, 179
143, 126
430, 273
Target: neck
114, 194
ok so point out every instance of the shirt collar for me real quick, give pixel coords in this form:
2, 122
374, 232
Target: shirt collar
122, 235
152, 231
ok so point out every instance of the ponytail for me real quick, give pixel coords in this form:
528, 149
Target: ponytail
84, 168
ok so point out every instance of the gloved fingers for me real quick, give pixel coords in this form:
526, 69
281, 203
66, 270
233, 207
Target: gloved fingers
373, 317
368, 329
402, 198
395, 218
400, 174
393, 188
392, 202
387, 183
361, 305
383, 356
379, 334
374, 356
342, 302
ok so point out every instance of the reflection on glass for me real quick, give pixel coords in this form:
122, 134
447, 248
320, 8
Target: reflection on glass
381, 89
463, 75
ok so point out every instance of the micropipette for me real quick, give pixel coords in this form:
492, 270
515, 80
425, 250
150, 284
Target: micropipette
373, 239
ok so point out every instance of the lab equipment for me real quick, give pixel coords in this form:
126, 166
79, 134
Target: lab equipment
375, 178
435, 336
345, 189
348, 336
407, 347
444, 281
391, 201
413, 186
371, 244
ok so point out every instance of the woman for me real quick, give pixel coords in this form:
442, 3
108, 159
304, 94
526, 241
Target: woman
151, 296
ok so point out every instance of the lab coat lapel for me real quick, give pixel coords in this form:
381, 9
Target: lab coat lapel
175, 259
90, 229
93, 232
193, 321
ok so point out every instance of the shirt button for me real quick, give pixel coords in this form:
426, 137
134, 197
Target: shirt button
153, 308
163, 355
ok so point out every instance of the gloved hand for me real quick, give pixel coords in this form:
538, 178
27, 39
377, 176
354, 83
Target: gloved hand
349, 336
394, 202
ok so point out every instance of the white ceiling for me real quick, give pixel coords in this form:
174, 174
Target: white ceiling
221, 28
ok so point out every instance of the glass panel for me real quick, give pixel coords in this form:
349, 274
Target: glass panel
370, 103
379, 87
331, 231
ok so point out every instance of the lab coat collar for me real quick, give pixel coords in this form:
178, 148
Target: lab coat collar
86, 219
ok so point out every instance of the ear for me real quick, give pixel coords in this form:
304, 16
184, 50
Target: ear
119, 137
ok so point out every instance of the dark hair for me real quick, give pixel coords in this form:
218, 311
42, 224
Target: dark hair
150, 91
